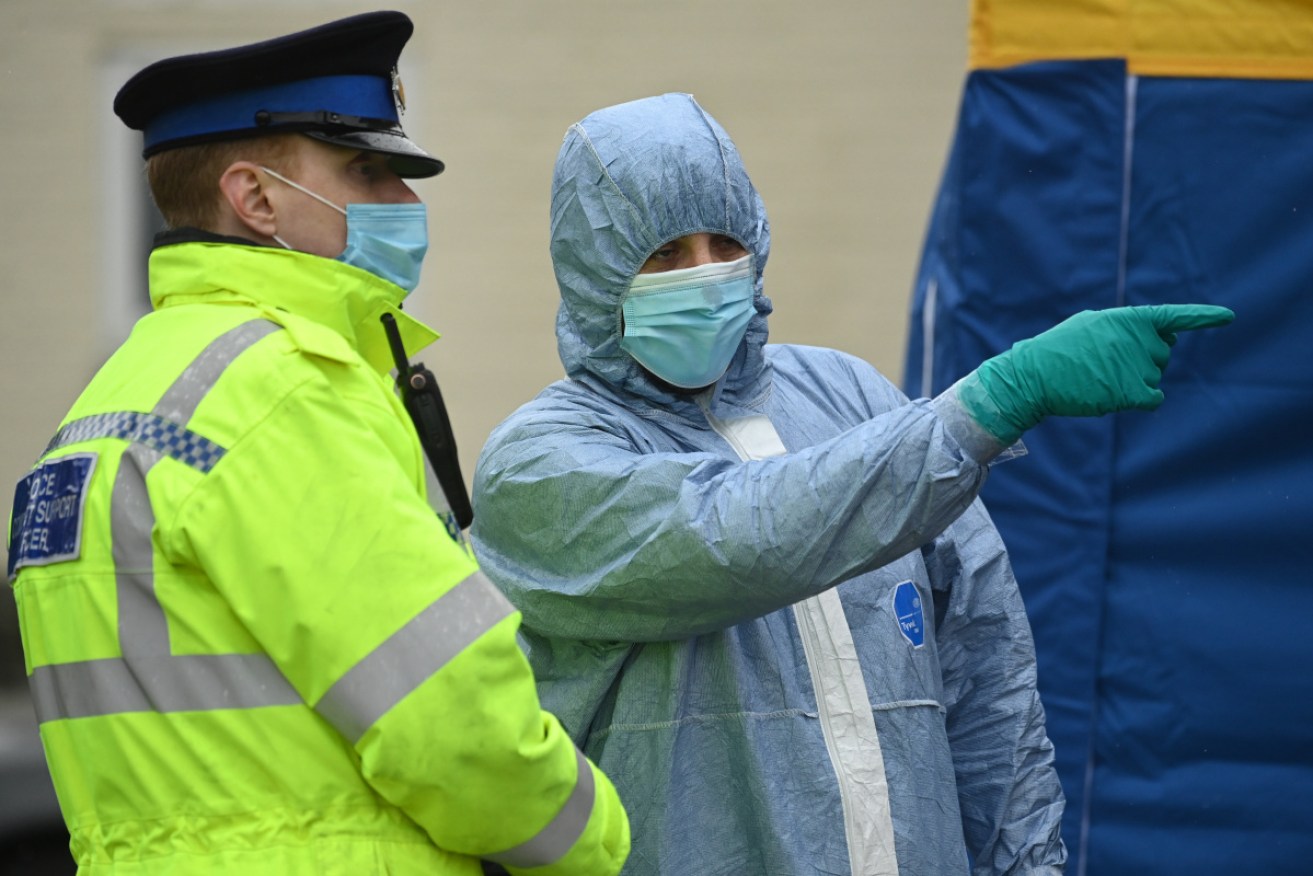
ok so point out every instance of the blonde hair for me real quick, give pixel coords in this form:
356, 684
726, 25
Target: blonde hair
184, 182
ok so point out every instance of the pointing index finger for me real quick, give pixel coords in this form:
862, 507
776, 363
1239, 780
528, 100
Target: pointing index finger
1168, 318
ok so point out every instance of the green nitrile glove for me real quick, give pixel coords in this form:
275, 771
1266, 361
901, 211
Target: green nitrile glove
1096, 362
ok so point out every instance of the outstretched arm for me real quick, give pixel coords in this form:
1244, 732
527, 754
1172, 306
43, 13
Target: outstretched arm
595, 536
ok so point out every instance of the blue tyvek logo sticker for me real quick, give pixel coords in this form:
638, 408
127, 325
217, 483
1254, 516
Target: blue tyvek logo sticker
46, 526
911, 619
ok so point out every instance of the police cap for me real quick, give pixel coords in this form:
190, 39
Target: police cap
336, 82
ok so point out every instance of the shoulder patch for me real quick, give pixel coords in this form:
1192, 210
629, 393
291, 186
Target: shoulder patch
911, 618
46, 524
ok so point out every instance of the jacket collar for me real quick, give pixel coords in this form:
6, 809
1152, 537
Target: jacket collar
190, 266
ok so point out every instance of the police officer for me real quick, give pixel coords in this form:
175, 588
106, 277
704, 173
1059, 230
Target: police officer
252, 646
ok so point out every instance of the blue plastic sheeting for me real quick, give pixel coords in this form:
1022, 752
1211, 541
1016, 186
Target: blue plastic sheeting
1165, 557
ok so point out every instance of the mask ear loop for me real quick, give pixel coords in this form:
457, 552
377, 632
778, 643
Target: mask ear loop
300, 188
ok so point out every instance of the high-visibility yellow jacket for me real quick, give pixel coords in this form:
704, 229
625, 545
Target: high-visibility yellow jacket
253, 647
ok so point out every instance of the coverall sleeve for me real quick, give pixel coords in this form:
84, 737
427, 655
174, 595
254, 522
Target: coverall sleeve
596, 533
319, 540
1008, 789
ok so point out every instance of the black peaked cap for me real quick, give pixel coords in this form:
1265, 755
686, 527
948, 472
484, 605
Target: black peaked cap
366, 45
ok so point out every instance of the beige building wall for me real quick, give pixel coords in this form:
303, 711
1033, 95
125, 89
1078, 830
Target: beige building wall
842, 110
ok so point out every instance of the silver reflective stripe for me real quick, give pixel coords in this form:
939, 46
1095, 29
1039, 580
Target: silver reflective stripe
169, 683
148, 677
847, 721
165, 428
551, 843
180, 400
143, 629
413, 654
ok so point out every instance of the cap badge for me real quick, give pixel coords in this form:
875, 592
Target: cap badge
398, 92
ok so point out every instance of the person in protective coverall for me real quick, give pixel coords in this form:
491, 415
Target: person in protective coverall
758, 588
253, 646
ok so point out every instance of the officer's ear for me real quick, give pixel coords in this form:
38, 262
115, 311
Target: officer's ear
244, 187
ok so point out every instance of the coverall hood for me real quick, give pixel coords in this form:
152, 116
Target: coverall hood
628, 179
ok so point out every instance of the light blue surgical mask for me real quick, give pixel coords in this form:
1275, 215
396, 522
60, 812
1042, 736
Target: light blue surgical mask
388, 240
685, 326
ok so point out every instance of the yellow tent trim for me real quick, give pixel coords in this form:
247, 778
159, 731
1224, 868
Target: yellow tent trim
1263, 39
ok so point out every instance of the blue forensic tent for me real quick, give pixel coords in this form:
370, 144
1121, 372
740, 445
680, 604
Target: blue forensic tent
1122, 152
